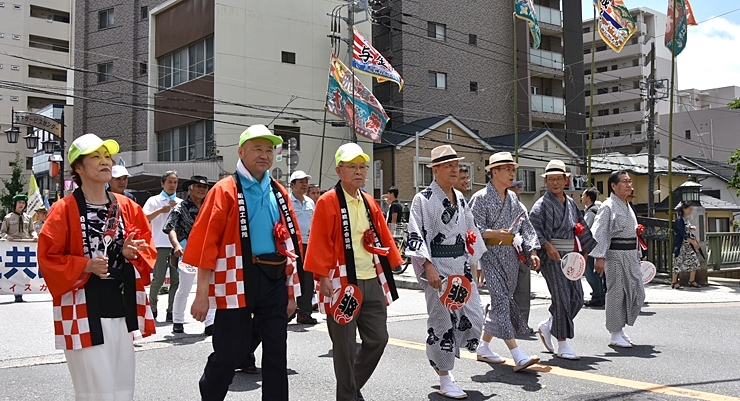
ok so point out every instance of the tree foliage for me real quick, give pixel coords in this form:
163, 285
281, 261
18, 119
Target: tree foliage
735, 104
13, 186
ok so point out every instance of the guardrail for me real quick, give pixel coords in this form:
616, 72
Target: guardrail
723, 250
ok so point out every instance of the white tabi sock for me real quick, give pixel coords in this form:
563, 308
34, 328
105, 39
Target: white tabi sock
617, 337
517, 354
564, 348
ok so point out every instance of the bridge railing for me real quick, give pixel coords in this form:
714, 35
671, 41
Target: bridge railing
656, 236
723, 250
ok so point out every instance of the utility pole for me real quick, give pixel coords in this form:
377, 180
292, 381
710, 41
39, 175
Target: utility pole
652, 85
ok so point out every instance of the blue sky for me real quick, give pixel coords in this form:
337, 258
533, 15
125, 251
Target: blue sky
711, 58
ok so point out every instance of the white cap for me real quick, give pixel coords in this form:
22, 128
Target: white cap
119, 171
299, 175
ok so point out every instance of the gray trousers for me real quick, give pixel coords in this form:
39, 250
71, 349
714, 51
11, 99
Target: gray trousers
352, 368
522, 292
160, 270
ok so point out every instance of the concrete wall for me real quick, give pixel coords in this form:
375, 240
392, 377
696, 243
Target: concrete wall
714, 133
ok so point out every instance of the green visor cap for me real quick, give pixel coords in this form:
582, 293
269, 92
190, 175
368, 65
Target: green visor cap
259, 131
89, 143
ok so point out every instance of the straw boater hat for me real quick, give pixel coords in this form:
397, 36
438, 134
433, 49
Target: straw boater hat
555, 167
443, 154
501, 159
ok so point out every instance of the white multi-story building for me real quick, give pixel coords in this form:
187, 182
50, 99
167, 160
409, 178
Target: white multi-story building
41, 32
619, 104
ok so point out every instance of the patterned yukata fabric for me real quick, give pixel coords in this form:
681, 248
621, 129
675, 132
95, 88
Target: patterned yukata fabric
552, 219
435, 220
625, 292
500, 264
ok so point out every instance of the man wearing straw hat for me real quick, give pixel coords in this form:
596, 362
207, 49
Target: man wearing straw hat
501, 219
443, 242
560, 229
350, 245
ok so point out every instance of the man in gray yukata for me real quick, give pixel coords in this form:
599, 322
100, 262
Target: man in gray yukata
560, 229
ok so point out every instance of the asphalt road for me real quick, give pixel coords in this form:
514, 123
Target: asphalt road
685, 351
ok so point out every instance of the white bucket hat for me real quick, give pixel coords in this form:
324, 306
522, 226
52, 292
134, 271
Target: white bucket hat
443, 154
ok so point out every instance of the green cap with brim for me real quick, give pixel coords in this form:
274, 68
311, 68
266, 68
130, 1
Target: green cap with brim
89, 143
20, 197
349, 152
259, 131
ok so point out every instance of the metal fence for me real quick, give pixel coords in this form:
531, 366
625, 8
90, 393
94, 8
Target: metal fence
656, 235
723, 250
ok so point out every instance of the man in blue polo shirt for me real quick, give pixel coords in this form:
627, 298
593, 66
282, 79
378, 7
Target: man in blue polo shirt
303, 207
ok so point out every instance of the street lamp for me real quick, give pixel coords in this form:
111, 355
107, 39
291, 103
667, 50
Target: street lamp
49, 146
13, 133
32, 141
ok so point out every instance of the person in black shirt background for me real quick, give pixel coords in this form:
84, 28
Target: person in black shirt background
395, 210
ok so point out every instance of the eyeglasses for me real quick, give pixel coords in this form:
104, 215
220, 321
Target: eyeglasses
354, 167
627, 181
506, 168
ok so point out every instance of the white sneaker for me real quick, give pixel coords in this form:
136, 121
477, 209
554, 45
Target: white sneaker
484, 354
525, 362
449, 389
543, 331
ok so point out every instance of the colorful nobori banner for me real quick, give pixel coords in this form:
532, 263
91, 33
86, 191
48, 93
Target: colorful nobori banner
616, 25
524, 9
682, 16
367, 60
19, 271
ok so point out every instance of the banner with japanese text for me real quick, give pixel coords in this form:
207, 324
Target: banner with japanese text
616, 25
19, 272
682, 16
348, 99
366, 59
525, 10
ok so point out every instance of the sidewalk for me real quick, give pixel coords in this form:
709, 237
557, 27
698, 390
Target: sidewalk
720, 290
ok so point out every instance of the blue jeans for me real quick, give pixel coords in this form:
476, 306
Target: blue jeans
597, 283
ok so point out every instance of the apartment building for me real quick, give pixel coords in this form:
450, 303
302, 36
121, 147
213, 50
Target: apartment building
261, 62
457, 59
619, 104
38, 37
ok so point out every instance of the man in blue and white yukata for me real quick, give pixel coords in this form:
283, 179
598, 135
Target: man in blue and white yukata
444, 241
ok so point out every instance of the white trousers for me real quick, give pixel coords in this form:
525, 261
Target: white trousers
181, 299
105, 372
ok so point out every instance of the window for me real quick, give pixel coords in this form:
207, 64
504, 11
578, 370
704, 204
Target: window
602, 91
29, 163
186, 64
535, 90
614, 67
105, 72
587, 71
530, 180
615, 111
473, 86
473, 39
545, 145
587, 29
602, 113
449, 134
189, 142
286, 132
436, 31
143, 69
59, 77
105, 19
637, 107
425, 173
615, 89
601, 69
587, 93
144, 12
600, 186
45, 43
587, 51
688, 134
437, 80
718, 225
601, 48
635, 62
288, 57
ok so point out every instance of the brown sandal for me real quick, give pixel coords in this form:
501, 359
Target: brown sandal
676, 286
694, 284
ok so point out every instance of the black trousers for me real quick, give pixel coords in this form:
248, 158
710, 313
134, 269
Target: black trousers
232, 338
304, 305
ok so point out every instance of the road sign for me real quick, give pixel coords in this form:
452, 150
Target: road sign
277, 173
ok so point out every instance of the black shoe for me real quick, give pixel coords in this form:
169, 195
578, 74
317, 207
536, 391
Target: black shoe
594, 304
307, 320
208, 331
250, 370
168, 319
19, 298
359, 396
177, 328
290, 319
154, 313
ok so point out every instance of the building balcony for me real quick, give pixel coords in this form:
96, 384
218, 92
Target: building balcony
631, 143
48, 29
621, 118
547, 108
546, 58
551, 20
616, 97
635, 72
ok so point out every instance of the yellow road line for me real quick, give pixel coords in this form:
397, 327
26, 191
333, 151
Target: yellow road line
556, 370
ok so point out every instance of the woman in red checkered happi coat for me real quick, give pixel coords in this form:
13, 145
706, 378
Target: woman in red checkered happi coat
96, 253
